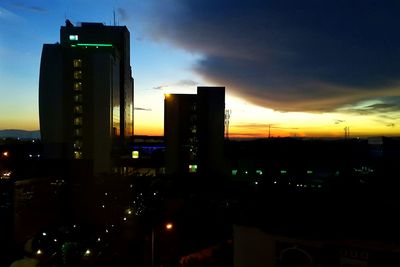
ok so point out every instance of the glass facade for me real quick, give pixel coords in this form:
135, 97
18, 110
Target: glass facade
116, 110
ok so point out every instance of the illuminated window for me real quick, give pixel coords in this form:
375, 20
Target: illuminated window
77, 86
234, 172
78, 109
73, 37
77, 144
78, 132
194, 129
309, 172
283, 171
78, 74
78, 121
77, 63
77, 154
135, 154
78, 98
259, 172
192, 168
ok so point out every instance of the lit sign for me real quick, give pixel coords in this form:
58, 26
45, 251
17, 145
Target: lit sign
91, 45
73, 37
135, 154
94, 45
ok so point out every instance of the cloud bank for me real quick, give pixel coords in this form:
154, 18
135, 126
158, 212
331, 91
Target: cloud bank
289, 55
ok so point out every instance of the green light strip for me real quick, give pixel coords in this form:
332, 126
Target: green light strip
108, 45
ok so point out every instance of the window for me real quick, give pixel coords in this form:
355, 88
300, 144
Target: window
73, 37
78, 109
192, 168
78, 74
77, 154
77, 63
77, 144
78, 98
77, 86
135, 154
78, 121
78, 132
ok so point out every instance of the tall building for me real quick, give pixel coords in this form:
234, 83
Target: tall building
86, 94
194, 132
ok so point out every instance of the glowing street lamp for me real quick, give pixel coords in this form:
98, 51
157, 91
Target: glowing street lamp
168, 227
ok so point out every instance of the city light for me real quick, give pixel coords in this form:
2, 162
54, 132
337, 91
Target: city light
169, 226
5, 153
6, 175
87, 252
39, 252
135, 154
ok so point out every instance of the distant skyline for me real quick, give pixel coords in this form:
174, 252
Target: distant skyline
294, 68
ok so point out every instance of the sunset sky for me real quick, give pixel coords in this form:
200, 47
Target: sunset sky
296, 68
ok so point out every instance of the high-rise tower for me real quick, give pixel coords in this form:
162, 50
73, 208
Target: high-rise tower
86, 94
194, 132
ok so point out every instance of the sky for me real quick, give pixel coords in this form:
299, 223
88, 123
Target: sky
291, 68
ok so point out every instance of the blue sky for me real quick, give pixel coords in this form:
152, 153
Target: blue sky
309, 68
26, 25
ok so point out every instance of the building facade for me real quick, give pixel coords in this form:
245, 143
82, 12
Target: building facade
86, 94
194, 132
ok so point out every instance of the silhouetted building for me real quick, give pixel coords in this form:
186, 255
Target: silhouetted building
86, 94
194, 132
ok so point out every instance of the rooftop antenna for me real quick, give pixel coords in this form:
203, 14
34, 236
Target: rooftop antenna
114, 15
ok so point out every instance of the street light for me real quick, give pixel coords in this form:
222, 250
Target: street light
168, 227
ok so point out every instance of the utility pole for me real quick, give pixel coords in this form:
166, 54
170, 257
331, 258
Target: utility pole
269, 130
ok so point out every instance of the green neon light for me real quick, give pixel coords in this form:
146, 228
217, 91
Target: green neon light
73, 45
107, 45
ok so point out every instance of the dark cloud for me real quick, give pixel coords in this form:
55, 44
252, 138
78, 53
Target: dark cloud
160, 87
386, 108
142, 109
186, 83
178, 83
263, 125
290, 55
30, 8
